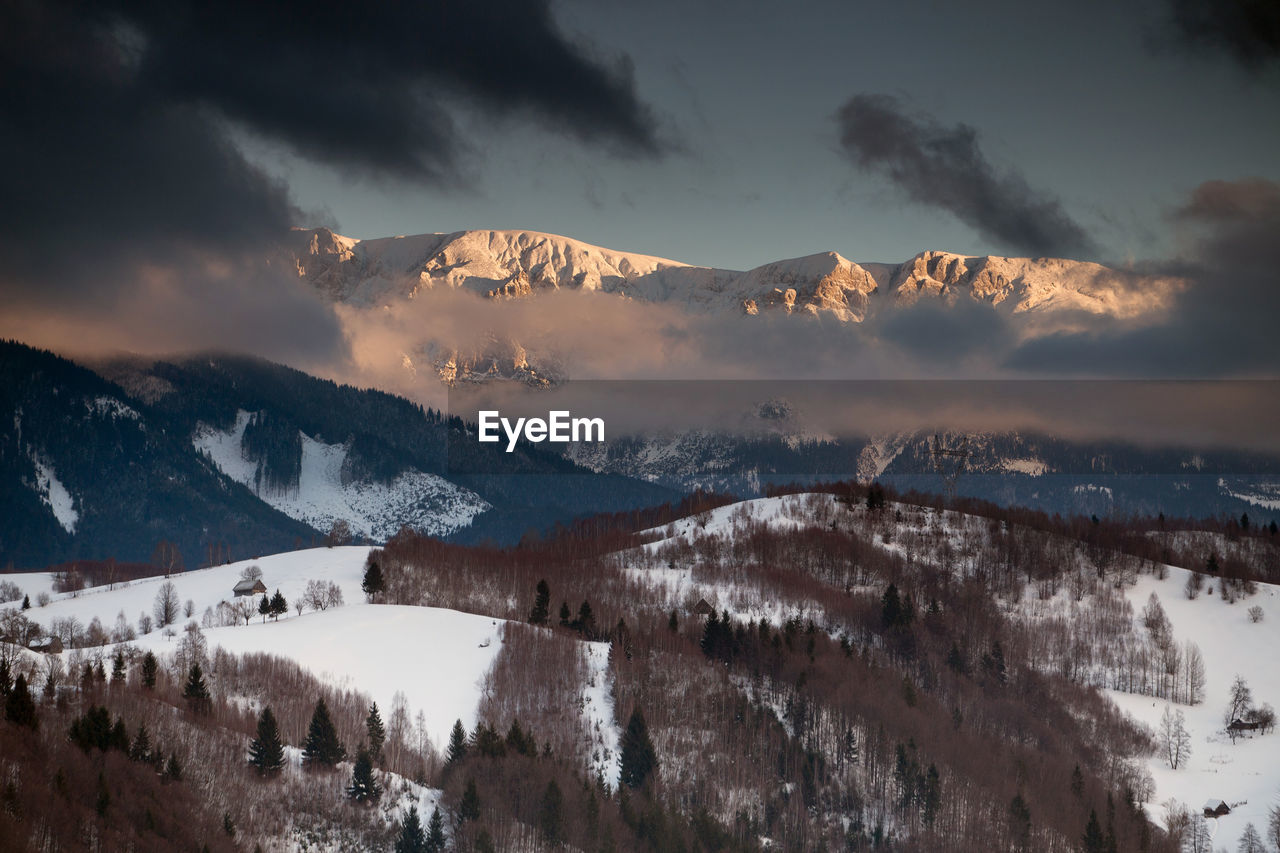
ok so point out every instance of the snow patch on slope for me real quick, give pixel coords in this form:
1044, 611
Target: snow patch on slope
55, 495
426, 502
598, 710
1265, 495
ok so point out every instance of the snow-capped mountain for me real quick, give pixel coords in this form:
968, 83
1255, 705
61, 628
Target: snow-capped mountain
518, 264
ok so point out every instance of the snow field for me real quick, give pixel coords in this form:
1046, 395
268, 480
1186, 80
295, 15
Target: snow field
1246, 772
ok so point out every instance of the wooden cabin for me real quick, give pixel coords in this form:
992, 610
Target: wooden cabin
250, 586
1216, 808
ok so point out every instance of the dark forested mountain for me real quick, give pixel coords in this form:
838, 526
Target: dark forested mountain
228, 456
88, 472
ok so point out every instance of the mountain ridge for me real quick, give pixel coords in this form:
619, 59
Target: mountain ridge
499, 264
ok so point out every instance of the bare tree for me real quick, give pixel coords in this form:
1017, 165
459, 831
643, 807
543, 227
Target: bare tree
339, 533
1237, 706
166, 605
1175, 740
167, 556
251, 572
314, 595
244, 608
1255, 614
321, 595
1193, 673
1251, 841
192, 649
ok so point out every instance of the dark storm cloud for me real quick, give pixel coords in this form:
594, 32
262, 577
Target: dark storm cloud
1246, 31
125, 195
1223, 324
945, 167
358, 86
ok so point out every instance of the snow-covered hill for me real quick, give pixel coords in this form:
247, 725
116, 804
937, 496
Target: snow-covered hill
1246, 773
323, 494
346, 646
434, 659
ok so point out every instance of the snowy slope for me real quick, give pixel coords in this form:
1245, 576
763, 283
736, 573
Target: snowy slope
446, 654
1247, 772
426, 502
439, 673
204, 587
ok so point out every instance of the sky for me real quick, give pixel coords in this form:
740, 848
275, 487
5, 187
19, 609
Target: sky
156, 152
1098, 105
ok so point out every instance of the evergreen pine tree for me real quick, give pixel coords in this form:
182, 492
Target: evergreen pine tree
1019, 822
264, 608
19, 707
373, 583
1077, 782
541, 605
173, 770
279, 606
639, 761
322, 745
376, 732
26, 599
551, 813
363, 788
117, 668
100, 672
119, 737
435, 833
266, 752
585, 622
564, 614
149, 669
931, 795
955, 660
519, 742
891, 607
140, 749
673, 624
1092, 840
469, 806
411, 839
457, 744
196, 692
6, 680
